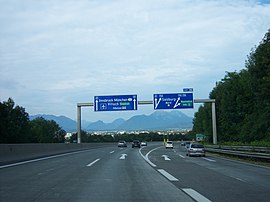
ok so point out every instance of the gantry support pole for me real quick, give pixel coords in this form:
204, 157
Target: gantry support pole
79, 105
214, 121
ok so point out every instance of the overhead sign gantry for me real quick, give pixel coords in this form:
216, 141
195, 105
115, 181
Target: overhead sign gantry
160, 101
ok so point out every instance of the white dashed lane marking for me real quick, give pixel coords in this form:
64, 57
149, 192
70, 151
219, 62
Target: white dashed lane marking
167, 175
207, 159
195, 195
92, 163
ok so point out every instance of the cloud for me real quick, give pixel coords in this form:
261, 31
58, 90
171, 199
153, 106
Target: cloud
67, 52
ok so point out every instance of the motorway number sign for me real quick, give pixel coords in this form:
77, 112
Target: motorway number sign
115, 103
173, 101
187, 89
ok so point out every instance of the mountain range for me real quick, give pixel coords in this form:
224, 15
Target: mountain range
159, 120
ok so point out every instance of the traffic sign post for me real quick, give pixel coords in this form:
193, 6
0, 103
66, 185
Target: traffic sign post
115, 103
173, 101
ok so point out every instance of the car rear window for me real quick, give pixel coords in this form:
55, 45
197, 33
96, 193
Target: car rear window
197, 146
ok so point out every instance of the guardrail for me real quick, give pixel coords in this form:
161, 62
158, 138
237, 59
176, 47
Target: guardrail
262, 153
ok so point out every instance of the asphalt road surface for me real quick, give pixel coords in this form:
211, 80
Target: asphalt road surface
151, 173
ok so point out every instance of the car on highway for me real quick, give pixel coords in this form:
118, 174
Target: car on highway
169, 144
196, 149
122, 143
136, 143
187, 145
143, 144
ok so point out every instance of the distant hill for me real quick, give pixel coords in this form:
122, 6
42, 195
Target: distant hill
159, 120
100, 125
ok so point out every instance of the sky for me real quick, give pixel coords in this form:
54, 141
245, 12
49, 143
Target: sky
57, 53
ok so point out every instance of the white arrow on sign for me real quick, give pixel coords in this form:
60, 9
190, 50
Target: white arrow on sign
123, 156
134, 101
177, 103
96, 105
166, 158
157, 102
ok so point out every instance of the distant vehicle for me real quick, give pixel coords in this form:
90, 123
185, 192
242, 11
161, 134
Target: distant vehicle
143, 144
196, 149
169, 144
136, 143
183, 144
187, 145
122, 143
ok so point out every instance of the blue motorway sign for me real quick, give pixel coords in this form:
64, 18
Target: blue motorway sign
115, 103
173, 101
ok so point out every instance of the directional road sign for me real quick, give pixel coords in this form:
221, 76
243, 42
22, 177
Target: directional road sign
115, 103
173, 101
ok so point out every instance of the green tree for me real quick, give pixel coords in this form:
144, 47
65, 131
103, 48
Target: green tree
45, 131
242, 101
258, 65
14, 127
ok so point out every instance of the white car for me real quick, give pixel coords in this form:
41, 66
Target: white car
169, 144
122, 143
143, 144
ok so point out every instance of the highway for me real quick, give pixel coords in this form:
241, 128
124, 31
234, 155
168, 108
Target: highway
151, 173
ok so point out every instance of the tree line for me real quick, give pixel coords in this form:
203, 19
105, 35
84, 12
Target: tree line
129, 137
242, 101
15, 126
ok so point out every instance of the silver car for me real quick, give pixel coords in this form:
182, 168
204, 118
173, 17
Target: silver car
196, 149
122, 143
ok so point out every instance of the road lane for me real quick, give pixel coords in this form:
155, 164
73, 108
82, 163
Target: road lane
122, 174
46, 179
129, 179
215, 178
68, 178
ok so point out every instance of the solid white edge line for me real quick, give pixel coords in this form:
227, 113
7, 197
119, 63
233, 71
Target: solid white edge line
90, 164
167, 175
146, 156
146, 159
195, 195
40, 159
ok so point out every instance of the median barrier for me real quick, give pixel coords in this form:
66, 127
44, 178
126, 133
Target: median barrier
11, 153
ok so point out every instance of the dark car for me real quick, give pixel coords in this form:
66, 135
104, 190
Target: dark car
187, 145
136, 143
